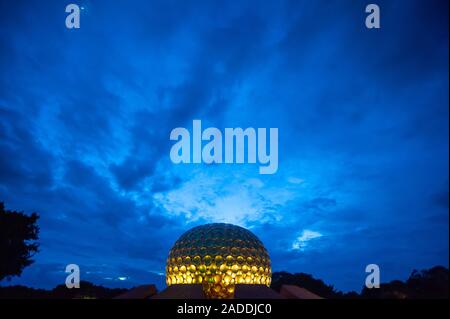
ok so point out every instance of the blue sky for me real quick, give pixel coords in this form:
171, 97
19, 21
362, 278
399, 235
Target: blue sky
85, 118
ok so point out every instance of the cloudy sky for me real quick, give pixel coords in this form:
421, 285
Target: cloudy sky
85, 118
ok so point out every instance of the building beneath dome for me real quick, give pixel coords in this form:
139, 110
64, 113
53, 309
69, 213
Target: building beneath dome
218, 257
218, 261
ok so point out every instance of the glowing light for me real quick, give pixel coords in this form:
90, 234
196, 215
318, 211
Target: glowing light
218, 256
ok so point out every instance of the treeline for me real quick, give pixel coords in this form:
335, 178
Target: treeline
425, 284
87, 290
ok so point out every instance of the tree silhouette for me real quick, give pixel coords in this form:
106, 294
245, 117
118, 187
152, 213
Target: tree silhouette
303, 280
18, 235
429, 283
425, 284
87, 290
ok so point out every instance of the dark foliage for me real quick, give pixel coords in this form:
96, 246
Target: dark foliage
306, 281
87, 290
426, 284
18, 235
23, 292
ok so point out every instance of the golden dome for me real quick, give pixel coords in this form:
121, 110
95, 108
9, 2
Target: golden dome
218, 256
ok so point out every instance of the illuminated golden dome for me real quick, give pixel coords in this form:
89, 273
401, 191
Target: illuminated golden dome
218, 256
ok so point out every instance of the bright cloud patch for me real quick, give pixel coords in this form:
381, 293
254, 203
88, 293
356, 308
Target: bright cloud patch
302, 241
232, 198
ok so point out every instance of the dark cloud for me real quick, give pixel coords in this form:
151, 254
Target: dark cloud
441, 199
23, 162
321, 203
